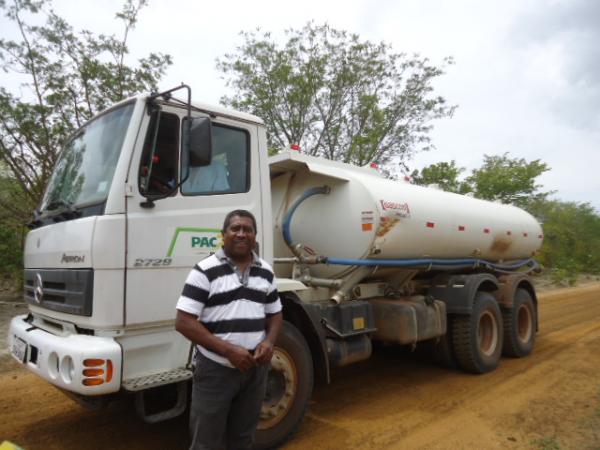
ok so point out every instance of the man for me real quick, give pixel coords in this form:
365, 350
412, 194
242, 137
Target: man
230, 309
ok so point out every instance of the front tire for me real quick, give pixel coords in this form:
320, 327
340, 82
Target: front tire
289, 388
520, 325
477, 338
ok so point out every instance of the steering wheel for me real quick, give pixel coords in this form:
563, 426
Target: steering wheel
160, 184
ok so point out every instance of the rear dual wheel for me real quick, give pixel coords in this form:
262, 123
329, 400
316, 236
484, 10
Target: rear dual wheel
477, 338
520, 325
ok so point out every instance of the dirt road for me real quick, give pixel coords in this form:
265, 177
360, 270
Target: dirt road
549, 400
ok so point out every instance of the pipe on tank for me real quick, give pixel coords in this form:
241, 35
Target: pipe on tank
433, 263
287, 219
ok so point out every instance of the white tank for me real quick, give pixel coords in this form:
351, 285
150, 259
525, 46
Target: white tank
366, 216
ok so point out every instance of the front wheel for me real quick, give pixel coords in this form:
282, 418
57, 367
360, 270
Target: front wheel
289, 388
477, 338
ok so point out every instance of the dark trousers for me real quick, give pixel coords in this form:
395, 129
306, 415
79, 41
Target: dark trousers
225, 405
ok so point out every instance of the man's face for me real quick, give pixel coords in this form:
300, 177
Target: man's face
239, 238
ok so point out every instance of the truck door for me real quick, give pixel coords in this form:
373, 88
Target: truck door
166, 240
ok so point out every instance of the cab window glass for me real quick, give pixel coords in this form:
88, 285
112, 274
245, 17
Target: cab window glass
158, 169
228, 171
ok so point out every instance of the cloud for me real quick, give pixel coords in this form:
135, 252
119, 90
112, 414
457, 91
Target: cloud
559, 42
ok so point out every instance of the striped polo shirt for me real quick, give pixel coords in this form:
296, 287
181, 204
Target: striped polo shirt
231, 305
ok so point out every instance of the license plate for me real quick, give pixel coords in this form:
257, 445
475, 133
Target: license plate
19, 349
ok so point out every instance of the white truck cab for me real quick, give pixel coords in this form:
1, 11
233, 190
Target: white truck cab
101, 263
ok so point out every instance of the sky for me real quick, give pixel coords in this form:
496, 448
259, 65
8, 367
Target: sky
526, 77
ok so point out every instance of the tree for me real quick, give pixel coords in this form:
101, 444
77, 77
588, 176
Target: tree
11, 230
336, 95
509, 180
571, 237
444, 174
68, 76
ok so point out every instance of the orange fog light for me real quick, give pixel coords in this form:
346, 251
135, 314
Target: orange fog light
92, 381
92, 372
109, 370
93, 362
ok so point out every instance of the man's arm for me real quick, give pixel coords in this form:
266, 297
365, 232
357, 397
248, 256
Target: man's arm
188, 325
264, 351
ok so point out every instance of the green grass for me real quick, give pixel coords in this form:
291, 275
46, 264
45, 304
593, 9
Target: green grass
547, 443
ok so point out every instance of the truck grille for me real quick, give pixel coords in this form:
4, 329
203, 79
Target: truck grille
64, 290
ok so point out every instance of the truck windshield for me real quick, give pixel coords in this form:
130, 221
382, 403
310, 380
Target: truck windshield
86, 166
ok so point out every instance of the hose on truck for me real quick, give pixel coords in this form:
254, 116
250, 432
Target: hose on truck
416, 263
435, 263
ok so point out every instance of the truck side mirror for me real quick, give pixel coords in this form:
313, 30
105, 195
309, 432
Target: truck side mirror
199, 141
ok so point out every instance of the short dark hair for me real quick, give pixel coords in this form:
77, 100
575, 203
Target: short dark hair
239, 213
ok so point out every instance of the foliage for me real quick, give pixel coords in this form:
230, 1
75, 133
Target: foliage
571, 238
11, 231
336, 95
68, 76
444, 174
509, 180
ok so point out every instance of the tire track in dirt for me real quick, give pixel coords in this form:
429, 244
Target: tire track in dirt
395, 400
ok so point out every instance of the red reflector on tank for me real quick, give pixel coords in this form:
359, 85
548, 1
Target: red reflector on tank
430, 224
461, 228
486, 230
295, 147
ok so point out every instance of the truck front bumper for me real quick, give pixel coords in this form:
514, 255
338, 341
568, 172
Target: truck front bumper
87, 365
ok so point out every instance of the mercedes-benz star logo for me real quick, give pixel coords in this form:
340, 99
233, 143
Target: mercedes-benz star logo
38, 288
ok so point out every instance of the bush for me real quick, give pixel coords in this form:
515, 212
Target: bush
11, 260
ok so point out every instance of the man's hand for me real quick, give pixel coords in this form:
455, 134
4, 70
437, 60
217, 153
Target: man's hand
263, 353
240, 358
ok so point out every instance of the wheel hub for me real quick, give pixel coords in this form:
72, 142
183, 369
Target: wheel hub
487, 333
282, 386
524, 324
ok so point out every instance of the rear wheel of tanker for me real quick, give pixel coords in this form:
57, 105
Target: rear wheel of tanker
477, 338
289, 388
520, 324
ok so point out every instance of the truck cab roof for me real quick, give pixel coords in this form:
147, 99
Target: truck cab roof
197, 106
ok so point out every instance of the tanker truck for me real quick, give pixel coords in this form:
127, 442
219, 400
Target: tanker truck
138, 197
